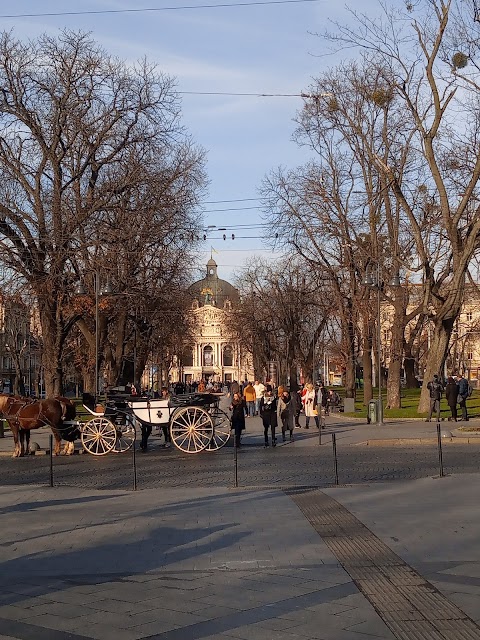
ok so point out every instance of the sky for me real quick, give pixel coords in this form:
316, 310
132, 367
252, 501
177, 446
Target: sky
257, 49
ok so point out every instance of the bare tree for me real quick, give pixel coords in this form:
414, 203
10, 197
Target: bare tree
429, 52
81, 136
283, 317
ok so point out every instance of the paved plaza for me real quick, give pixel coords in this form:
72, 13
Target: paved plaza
361, 561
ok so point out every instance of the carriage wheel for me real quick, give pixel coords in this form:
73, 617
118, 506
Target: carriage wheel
191, 429
98, 436
126, 435
221, 429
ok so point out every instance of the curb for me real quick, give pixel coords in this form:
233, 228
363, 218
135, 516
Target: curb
423, 441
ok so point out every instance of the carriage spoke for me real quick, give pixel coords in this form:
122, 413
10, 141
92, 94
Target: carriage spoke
221, 429
191, 429
98, 436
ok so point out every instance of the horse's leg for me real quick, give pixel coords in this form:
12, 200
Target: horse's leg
22, 442
14, 430
27, 442
58, 442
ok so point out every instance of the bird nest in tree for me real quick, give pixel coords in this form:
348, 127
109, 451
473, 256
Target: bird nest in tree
459, 60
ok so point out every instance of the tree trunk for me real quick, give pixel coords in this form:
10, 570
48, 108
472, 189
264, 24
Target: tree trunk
411, 381
351, 363
52, 344
394, 395
367, 366
437, 354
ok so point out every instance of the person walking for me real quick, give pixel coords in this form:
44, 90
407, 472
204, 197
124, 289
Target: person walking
451, 394
463, 394
322, 401
435, 387
285, 411
297, 406
259, 391
310, 406
250, 396
166, 431
268, 413
238, 416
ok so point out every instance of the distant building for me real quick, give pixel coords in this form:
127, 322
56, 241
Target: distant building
214, 354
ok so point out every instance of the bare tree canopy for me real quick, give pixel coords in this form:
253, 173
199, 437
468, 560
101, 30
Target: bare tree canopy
90, 150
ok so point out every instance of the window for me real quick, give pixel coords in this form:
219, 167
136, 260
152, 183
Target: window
469, 316
470, 355
208, 357
187, 358
228, 356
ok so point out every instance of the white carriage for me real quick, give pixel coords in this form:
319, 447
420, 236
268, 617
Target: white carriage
195, 421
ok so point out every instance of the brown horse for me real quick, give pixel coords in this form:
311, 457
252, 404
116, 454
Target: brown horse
25, 414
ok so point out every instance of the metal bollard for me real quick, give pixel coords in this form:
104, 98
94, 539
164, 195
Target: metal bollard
235, 463
2, 429
440, 454
335, 462
51, 460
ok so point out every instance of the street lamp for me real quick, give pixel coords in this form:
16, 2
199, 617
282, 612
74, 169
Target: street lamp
375, 283
106, 290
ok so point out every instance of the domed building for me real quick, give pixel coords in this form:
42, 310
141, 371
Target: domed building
215, 356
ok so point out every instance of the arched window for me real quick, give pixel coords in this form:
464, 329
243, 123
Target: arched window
208, 357
228, 356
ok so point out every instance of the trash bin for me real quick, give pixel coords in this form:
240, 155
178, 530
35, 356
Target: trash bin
372, 411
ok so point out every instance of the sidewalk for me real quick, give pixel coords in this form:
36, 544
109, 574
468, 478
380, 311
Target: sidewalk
340, 564
363, 562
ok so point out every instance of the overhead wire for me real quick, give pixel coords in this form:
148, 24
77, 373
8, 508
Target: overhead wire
222, 5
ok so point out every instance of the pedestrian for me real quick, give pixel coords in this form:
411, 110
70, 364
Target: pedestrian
201, 386
451, 394
322, 401
237, 408
435, 387
268, 413
464, 391
310, 406
166, 431
250, 397
285, 414
259, 391
298, 406
234, 388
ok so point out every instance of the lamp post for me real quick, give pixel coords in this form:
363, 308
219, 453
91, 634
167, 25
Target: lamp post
375, 283
105, 291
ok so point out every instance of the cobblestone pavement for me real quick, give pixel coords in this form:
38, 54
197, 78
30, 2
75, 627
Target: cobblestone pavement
256, 467
392, 552
393, 560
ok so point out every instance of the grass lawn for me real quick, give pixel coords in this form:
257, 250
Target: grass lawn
410, 399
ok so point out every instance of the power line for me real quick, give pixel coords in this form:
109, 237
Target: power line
235, 200
256, 95
230, 209
200, 6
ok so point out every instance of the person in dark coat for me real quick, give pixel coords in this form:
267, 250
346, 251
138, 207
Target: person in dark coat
238, 408
435, 388
463, 395
451, 394
268, 413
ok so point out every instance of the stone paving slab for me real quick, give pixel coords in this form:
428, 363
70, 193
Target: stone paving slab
182, 564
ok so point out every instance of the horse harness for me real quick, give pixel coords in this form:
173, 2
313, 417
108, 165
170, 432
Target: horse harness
16, 417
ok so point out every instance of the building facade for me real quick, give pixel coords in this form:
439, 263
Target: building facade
215, 355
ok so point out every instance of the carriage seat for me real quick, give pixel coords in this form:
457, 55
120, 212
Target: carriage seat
90, 404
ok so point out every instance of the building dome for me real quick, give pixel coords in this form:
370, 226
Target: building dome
212, 290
